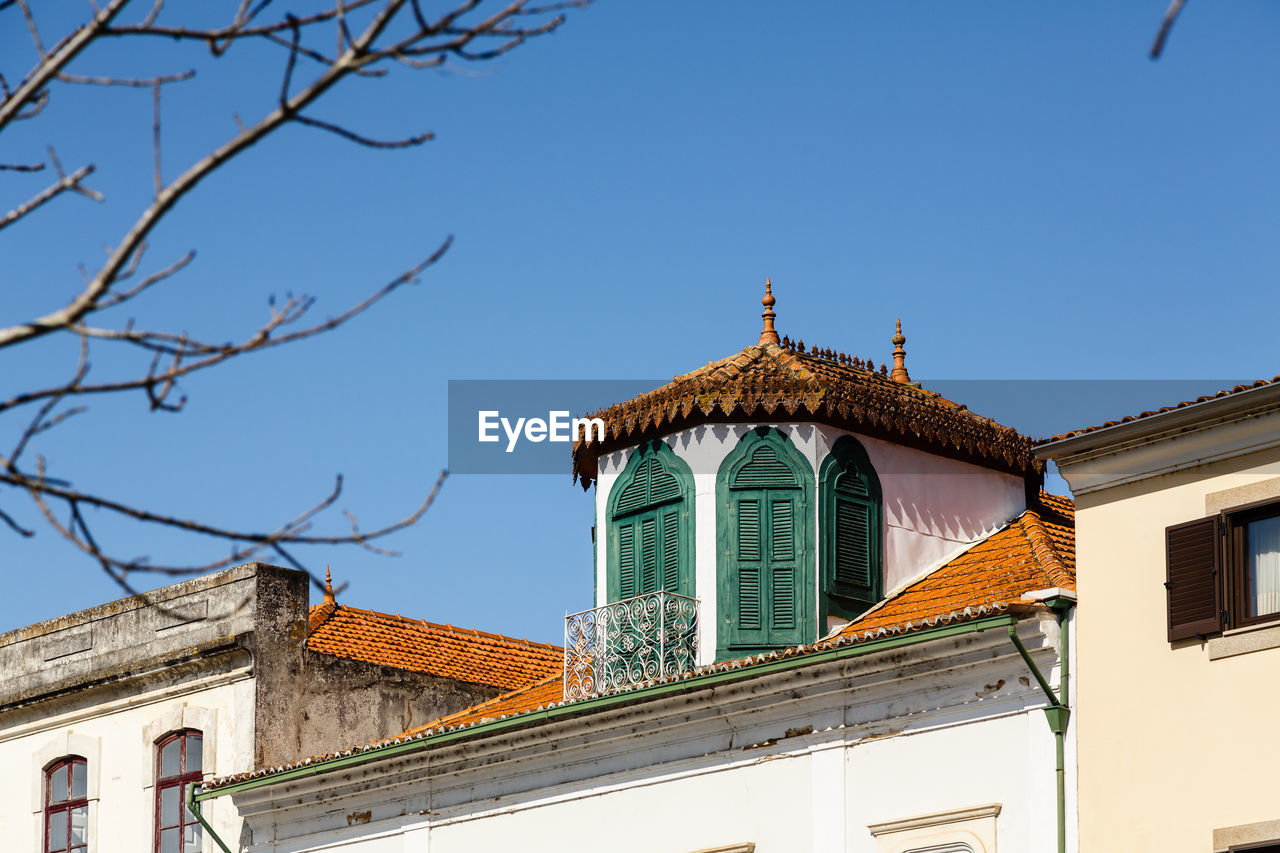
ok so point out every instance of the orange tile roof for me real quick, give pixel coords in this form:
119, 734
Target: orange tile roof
1228, 392
1035, 552
783, 382
467, 655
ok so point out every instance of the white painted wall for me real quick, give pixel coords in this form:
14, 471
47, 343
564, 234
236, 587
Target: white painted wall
905, 734
933, 506
117, 738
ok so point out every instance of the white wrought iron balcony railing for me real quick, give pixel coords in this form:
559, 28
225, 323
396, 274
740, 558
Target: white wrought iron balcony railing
629, 641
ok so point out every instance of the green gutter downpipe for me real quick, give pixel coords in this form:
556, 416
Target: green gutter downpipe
977, 626
193, 805
1058, 712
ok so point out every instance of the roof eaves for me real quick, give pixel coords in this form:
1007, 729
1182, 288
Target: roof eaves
1150, 423
969, 620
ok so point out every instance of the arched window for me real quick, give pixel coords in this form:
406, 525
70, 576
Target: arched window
651, 525
66, 805
178, 764
849, 503
765, 597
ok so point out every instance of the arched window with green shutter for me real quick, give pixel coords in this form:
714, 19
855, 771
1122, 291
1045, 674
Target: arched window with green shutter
651, 525
765, 587
850, 518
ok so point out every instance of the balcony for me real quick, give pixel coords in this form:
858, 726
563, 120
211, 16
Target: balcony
629, 641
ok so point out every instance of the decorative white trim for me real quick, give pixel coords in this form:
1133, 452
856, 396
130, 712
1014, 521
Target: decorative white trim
966, 830
61, 745
935, 819
203, 720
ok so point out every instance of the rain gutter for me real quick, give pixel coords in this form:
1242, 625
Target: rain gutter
1058, 713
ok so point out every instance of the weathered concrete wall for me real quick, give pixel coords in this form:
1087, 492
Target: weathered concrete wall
310, 704
143, 636
341, 703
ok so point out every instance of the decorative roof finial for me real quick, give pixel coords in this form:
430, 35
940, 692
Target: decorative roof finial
899, 373
768, 335
328, 587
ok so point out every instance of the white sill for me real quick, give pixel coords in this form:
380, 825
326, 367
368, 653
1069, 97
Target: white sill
1242, 641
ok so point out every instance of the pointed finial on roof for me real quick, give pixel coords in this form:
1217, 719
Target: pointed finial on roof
899, 373
768, 335
328, 587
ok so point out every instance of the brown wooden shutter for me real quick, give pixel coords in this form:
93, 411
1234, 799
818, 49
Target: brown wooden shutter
1192, 579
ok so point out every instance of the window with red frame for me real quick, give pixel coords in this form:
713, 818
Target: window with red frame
178, 764
66, 806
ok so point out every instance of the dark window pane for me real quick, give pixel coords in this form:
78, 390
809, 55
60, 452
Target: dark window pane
194, 834
195, 744
78, 776
169, 806
169, 840
57, 830
79, 826
58, 785
169, 758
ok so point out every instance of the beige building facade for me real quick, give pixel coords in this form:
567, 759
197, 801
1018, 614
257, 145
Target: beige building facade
1178, 546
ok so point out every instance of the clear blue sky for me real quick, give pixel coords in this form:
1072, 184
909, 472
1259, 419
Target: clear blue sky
1018, 181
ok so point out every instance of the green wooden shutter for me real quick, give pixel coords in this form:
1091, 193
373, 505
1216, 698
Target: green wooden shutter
671, 551
748, 553
765, 569
850, 530
782, 569
648, 556
627, 560
650, 526
765, 471
853, 541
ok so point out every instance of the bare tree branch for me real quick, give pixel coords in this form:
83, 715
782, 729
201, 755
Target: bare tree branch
1170, 15
343, 39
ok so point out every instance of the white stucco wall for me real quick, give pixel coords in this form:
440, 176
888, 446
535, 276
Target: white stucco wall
933, 506
806, 763
117, 738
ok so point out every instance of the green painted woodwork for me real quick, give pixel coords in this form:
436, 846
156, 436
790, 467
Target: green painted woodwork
650, 525
851, 519
764, 566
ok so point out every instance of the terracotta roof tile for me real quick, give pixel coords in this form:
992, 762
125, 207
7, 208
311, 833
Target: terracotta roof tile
468, 655
1034, 552
1228, 392
782, 382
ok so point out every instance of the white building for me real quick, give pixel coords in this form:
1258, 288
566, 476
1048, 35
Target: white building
108, 715
833, 614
